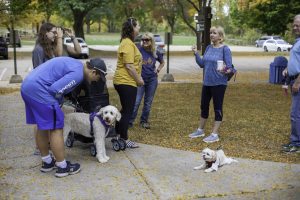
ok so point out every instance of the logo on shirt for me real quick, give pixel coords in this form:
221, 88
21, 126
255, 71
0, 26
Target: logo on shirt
148, 62
69, 85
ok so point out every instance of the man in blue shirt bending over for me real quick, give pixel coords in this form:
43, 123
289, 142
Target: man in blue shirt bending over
42, 91
293, 71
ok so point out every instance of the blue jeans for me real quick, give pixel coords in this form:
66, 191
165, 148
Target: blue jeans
295, 120
148, 89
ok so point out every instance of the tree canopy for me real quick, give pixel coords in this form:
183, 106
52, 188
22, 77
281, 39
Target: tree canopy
263, 16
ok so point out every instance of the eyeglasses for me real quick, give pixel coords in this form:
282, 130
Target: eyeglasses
146, 40
54, 32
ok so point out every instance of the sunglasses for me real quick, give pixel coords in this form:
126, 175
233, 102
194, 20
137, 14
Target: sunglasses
146, 40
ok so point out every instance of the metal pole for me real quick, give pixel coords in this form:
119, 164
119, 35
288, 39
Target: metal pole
14, 78
14, 45
168, 52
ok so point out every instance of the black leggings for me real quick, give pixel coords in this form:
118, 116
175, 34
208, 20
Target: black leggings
127, 94
217, 93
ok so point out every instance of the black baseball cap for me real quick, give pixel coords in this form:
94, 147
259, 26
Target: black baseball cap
98, 64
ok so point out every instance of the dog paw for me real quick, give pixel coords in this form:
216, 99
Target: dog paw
102, 160
208, 170
107, 158
197, 168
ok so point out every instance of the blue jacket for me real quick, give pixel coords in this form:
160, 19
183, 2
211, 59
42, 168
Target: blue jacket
52, 79
294, 62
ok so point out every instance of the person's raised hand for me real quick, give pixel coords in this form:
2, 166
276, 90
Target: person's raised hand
194, 49
59, 32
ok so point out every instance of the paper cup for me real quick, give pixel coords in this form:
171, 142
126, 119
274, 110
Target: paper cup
220, 65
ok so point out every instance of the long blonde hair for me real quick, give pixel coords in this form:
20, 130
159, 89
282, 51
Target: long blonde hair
153, 46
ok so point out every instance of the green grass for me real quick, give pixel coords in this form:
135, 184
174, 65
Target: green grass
103, 39
28, 42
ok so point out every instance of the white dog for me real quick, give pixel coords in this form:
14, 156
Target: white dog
80, 123
213, 160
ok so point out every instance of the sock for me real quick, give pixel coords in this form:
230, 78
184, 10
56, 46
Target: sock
62, 164
47, 159
214, 134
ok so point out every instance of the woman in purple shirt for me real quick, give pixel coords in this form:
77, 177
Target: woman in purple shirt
215, 81
149, 75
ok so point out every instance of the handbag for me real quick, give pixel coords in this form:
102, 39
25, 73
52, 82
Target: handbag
232, 72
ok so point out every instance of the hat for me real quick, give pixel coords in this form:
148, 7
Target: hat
98, 64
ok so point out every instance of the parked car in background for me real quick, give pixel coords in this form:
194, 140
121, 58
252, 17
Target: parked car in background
83, 45
159, 43
276, 45
3, 48
261, 40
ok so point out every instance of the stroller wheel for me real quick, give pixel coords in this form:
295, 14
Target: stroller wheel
122, 144
70, 140
93, 150
116, 145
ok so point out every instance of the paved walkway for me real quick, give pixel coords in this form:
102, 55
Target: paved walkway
149, 172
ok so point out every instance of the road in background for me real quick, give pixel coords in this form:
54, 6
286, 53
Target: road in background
179, 65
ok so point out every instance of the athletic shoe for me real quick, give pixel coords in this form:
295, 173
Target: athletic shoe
69, 170
286, 146
197, 133
211, 138
48, 167
293, 149
145, 125
131, 144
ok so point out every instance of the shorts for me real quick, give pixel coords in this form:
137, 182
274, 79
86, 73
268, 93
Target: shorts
46, 117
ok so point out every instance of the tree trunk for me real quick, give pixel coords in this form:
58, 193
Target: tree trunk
88, 24
78, 23
99, 24
88, 28
37, 27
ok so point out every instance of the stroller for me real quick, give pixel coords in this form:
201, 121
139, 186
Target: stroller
89, 98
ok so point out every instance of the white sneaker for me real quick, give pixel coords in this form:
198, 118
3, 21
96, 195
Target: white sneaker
211, 138
197, 133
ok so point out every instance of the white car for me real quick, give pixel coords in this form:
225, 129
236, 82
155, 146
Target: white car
83, 45
276, 45
159, 44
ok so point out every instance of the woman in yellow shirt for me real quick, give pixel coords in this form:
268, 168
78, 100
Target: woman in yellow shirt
128, 76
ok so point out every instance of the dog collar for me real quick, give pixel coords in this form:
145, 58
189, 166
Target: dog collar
92, 117
103, 122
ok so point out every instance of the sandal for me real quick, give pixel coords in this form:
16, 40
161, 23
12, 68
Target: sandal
131, 144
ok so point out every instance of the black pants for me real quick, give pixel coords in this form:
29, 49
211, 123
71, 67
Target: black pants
217, 93
127, 96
